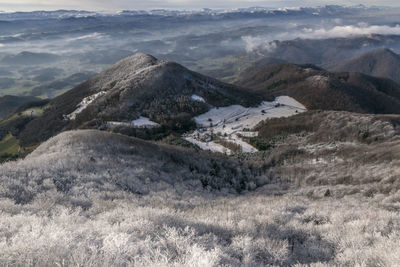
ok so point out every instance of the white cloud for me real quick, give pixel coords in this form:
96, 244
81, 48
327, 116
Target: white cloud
258, 42
349, 30
94, 35
267, 43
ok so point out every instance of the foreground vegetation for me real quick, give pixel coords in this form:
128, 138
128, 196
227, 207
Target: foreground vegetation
90, 198
203, 230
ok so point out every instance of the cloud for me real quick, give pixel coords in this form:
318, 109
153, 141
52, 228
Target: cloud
349, 30
257, 42
94, 35
267, 43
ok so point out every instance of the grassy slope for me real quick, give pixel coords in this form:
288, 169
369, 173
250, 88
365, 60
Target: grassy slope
9, 145
34, 112
10, 149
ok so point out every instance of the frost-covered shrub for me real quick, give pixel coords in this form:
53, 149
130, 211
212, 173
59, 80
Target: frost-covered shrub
94, 199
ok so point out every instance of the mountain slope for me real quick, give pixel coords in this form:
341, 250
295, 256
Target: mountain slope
140, 85
122, 164
9, 103
260, 63
379, 62
318, 89
328, 148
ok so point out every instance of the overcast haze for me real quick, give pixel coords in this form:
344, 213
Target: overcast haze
27, 5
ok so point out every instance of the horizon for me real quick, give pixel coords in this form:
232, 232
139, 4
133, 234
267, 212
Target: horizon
102, 6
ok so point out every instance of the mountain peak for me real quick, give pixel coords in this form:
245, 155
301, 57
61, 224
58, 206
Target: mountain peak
125, 71
132, 64
138, 60
135, 69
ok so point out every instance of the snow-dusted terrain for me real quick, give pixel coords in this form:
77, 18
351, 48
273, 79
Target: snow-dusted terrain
231, 123
142, 122
211, 146
84, 104
198, 98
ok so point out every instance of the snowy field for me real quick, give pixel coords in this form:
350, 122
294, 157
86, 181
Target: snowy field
232, 122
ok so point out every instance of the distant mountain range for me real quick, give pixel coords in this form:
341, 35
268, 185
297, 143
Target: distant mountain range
327, 10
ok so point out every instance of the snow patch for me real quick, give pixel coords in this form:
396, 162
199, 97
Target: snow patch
198, 98
95, 35
144, 122
84, 104
210, 146
237, 117
318, 80
235, 122
290, 102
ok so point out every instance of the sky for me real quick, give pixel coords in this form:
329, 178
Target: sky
113, 5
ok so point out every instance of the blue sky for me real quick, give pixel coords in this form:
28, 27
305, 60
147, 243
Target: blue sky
112, 5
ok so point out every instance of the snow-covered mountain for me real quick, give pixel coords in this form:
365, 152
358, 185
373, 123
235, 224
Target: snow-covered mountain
138, 86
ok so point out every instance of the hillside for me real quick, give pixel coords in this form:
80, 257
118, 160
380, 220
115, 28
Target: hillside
148, 166
164, 93
340, 152
379, 63
257, 65
9, 104
319, 89
92, 198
